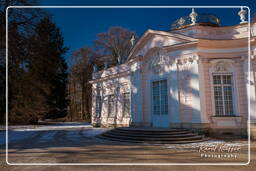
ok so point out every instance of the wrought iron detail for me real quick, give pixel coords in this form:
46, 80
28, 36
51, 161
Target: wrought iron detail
201, 19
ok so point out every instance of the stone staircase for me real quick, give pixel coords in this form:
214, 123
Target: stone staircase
152, 135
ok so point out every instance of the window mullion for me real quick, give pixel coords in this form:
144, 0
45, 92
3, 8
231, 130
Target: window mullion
223, 99
223, 103
160, 90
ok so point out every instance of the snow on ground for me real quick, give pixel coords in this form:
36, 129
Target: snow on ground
72, 134
73, 123
94, 132
59, 126
86, 133
14, 136
20, 132
47, 136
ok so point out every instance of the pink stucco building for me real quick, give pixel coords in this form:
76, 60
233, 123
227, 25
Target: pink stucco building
194, 76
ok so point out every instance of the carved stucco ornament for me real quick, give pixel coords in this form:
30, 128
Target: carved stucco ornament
159, 61
184, 78
222, 66
181, 21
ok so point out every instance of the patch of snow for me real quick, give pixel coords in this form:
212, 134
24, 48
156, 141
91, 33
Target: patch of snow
14, 136
93, 132
47, 136
53, 127
48, 126
72, 134
73, 123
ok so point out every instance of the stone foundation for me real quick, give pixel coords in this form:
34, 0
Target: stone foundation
109, 125
228, 132
253, 131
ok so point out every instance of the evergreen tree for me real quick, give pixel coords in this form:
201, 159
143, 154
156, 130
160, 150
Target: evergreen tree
37, 74
49, 65
23, 99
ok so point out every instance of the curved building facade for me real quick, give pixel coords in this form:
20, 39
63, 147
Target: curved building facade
195, 76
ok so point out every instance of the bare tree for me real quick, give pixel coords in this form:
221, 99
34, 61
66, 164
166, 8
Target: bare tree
79, 87
115, 43
112, 47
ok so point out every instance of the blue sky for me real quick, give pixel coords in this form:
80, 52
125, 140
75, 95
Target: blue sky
80, 26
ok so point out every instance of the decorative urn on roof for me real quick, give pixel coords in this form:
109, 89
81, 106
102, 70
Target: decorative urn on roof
242, 14
193, 16
201, 19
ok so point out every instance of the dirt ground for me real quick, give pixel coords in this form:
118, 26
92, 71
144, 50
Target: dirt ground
80, 146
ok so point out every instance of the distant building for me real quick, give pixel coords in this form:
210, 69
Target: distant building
194, 76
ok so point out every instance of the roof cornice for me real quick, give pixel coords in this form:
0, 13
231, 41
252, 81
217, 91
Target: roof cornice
151, 32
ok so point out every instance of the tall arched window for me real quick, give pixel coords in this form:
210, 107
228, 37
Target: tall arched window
223, 94
222, 76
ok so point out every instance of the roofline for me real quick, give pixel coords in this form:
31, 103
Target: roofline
164, 33
218, 27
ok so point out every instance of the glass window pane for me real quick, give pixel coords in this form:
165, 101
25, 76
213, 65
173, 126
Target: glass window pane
160, 103
227, 80
216, 79
228, 100
111, 106
218, 100
126, 104
223, 94
98, 106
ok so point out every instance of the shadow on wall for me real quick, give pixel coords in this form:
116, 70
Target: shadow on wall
184, 88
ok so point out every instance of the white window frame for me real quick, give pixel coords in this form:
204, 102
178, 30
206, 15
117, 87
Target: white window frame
111, 109
228, 70
128, 114
222, 85
160, 104
98, 106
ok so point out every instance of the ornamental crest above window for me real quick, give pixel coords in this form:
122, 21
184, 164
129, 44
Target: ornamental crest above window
222, 66
158, 61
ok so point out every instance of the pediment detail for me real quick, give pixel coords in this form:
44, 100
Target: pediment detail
159, 60
152, 39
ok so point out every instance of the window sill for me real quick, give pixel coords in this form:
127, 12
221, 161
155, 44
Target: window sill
233, 118
118, 118
127, 117
226, 116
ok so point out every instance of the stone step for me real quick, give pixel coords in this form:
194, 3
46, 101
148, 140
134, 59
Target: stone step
139, 129
152, 135
153, 142
153, 138
151, 132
